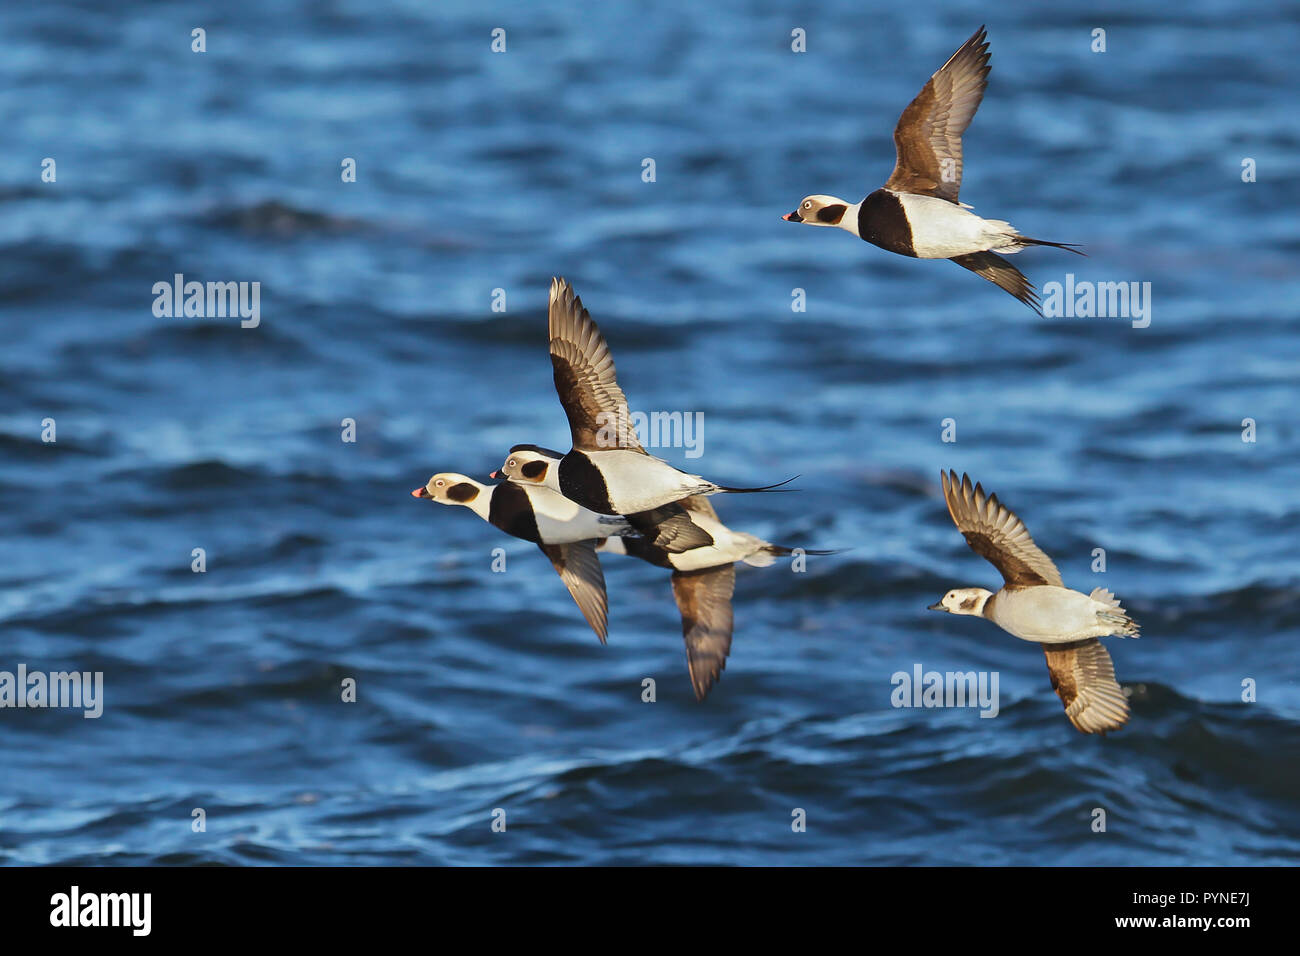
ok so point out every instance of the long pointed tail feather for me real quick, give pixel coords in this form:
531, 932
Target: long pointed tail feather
782, 551
745, 491
1067, 246
768, 553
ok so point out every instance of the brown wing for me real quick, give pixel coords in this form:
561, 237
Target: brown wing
584, 376
1084, 678
1002, 274
928, 134
704, 599
579, 569
670, 527
996, 534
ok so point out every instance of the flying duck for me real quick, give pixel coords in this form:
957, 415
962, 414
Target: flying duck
1035, 605
607, 470
566, 532
703, 581
917, 213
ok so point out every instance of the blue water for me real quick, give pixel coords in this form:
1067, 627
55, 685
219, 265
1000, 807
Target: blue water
480, 171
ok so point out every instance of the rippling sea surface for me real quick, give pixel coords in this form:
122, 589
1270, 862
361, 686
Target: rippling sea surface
481, 171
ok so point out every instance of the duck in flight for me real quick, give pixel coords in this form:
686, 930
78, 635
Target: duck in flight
703, 578
1035, 605
703, 581
566, 532
606, 470
917, 212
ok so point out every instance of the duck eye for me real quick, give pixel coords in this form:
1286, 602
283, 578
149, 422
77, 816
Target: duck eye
510, 463
439, 483
807, 204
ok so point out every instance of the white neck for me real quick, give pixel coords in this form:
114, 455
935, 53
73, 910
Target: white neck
850, 221
482, 502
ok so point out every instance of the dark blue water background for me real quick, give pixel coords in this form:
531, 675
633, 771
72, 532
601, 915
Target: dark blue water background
480, 171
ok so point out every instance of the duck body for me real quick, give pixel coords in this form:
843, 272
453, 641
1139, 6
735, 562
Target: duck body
619, 481
728, 547
545, 517
924, 227
1056, 615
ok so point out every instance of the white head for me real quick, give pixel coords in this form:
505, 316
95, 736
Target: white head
963, 601
531, 465
451, 488
819, 211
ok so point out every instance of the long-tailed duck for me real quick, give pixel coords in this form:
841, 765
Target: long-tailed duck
1035, 605
607, 470
917, 213
566, 532
703, 581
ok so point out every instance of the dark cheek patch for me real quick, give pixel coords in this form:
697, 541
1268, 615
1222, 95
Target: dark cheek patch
534, 470
968, 604
462, 493
831, 214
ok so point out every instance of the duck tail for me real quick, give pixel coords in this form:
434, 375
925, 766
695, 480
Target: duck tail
749, 491
1067, 246
1114, 616
770, 552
